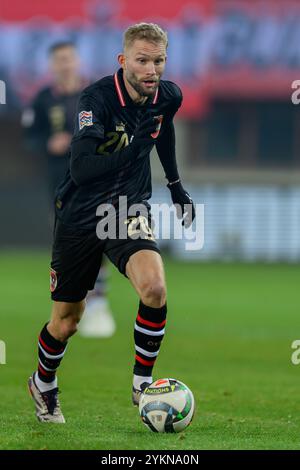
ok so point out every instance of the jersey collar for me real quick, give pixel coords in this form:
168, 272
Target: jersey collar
122, 93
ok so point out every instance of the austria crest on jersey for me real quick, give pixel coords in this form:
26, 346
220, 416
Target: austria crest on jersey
159, 119
85, 119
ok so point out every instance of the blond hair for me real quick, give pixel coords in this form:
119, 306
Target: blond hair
149, 31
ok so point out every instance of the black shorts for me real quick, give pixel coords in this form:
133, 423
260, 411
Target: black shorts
77, 255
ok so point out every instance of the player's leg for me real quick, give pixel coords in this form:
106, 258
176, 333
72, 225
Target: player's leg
146, 273
98, 320
53, 340
65, 317
76, 260
138, 257
51, 349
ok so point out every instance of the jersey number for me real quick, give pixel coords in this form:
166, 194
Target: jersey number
138, 227
113, 138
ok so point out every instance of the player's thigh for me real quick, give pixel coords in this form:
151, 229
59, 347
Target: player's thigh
76, 260
145, 271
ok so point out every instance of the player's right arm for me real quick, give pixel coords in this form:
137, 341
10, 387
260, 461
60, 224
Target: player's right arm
86, 164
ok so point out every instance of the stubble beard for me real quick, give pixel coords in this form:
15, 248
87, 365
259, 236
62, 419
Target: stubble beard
138, 87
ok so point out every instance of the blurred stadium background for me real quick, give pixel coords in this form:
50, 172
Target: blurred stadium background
238, 141
237, 132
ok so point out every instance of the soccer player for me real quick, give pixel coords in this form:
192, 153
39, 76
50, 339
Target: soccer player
49, 124
120, 118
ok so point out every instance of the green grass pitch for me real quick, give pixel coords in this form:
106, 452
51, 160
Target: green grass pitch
229, 334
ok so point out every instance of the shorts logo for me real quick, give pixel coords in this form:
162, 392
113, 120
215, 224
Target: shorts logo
53, 280
155, 134
85, 119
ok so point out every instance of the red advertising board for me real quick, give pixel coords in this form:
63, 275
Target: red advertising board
134, 10
244, 49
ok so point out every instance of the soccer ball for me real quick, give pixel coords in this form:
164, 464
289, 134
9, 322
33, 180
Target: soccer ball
167, 405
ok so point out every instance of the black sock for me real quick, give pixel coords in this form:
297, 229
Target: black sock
148, 334
51, 352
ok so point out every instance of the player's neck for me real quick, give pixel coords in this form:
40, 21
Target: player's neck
134, 95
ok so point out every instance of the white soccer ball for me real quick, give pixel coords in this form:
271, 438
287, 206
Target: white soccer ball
167, 405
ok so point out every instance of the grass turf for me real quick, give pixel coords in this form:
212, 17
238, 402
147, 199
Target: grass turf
229, 334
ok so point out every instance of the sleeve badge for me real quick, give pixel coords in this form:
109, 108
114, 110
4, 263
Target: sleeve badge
85, 119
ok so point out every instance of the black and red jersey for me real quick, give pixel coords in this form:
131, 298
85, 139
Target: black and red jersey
105, 122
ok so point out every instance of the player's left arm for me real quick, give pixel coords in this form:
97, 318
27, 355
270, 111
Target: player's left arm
166, 149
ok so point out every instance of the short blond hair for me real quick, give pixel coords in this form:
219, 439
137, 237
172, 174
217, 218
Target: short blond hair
149, 31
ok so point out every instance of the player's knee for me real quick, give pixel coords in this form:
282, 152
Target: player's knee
66, 318
69, 326
154, 293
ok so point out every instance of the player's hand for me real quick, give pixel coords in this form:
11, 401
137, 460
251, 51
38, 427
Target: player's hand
185, 208
59, 143
142, 135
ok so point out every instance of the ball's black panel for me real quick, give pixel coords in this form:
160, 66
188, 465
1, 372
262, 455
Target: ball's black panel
160, 406
169, 420
147, 421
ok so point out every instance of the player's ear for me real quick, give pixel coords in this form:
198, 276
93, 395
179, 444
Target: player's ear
121, 59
